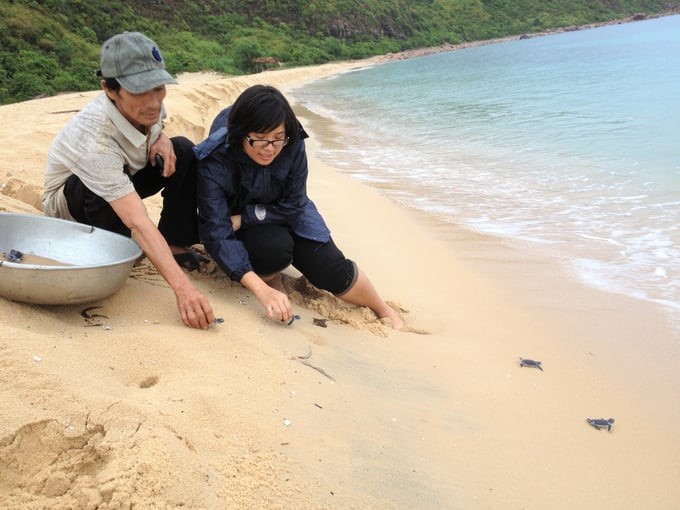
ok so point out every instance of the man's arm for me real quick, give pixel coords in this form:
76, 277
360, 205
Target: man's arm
194, 309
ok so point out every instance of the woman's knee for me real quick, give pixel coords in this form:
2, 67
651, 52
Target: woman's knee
336, 278
270, 248
324, 265
265, 263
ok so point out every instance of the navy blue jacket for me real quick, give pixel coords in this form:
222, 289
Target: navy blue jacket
230, 182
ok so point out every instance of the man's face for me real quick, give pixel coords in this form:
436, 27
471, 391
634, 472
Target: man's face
142, 110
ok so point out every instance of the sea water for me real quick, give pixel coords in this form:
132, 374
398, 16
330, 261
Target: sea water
569, 142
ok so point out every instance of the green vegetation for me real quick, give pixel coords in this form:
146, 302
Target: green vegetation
52, 46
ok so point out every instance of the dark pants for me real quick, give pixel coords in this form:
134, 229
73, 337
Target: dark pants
178, 221
272, 248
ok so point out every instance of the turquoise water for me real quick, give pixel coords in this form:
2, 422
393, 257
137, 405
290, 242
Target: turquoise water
568, 142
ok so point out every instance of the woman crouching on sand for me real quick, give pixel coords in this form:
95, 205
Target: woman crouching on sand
255, 218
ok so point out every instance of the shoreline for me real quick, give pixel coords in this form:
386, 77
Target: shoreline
591, 322
421, 52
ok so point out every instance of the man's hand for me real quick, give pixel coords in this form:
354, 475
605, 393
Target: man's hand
194, 309
163, 147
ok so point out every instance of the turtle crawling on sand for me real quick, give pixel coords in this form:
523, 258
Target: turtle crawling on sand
601, 423
524, 362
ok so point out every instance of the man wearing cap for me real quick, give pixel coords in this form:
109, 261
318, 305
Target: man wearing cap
114, 153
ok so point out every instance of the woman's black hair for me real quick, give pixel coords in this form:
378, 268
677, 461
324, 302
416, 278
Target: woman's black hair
260, 109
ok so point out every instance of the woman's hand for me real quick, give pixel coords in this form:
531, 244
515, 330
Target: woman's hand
276, 303
236, 222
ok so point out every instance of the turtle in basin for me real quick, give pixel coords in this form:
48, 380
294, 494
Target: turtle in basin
525, 362
601, 423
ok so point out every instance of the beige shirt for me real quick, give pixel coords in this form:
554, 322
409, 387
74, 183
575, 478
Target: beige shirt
96, 145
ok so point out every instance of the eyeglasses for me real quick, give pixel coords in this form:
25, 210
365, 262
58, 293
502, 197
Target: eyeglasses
261, 144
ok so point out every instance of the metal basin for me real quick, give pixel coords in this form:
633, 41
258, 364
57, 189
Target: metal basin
64, 262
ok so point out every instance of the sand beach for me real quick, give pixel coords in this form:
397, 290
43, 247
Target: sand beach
135, 410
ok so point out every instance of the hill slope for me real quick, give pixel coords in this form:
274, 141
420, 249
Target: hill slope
51, 46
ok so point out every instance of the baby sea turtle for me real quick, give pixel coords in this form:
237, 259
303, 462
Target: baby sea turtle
524, 362
13, 256
601, 423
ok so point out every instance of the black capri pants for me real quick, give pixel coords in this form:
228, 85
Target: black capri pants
272, 248
179, 218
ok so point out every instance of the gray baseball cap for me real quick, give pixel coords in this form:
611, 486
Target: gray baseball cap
135, 61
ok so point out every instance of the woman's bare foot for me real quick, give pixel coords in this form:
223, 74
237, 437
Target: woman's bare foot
394, 317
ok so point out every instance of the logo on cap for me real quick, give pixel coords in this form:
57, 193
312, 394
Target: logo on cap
156, 54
